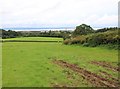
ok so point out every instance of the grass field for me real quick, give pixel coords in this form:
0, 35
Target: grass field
35, 64
36, 39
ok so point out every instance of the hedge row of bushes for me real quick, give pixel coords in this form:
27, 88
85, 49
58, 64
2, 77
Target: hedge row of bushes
96, 39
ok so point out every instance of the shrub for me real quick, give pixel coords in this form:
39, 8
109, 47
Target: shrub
67, 41
86, 44
96, 39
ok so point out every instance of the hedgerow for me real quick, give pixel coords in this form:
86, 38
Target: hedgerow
96, 39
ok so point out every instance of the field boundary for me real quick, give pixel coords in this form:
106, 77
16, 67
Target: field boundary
27, 41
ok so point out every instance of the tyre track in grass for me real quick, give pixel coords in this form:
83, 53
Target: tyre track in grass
108, 76
105, 65
93, 78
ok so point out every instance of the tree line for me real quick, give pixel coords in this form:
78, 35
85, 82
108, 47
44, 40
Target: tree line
13, 34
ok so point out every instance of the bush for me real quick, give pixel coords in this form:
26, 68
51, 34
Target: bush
76, 40
96, 39
67, 41
86, 44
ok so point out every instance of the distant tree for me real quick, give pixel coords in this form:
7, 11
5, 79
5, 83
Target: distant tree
83, 29
10, 34
106, 29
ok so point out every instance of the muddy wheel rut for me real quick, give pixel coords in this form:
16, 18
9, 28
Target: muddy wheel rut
106, 65
93, 78
108, 76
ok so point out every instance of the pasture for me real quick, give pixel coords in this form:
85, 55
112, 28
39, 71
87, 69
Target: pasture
35, 39
53, 64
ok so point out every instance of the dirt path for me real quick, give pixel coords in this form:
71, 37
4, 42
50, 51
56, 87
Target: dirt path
94, 79
106, 65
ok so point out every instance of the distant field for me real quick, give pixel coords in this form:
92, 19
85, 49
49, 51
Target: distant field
35, 39
47, 64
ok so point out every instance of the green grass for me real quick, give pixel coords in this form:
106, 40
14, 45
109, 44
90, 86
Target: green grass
30, 64
36, 39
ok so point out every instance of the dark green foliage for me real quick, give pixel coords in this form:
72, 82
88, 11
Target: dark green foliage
110, 38
106, 29
86, 44
13, 34
66, 34
41, 34
60, 34
83, 30
10, 34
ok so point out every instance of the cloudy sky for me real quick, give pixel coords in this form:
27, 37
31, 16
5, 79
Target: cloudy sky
58, 13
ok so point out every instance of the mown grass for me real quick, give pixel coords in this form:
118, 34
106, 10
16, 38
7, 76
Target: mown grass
30, 64
35, 39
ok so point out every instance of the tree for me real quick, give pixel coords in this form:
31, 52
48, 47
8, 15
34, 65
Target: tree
83, 29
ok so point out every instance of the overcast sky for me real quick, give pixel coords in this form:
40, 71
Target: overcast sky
62, 13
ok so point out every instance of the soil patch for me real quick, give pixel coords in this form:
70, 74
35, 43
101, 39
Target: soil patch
93, 78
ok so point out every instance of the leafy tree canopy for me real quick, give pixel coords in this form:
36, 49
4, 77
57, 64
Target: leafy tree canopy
83, 29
